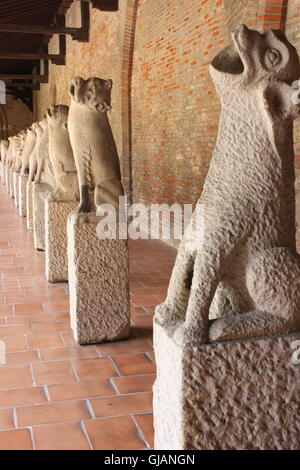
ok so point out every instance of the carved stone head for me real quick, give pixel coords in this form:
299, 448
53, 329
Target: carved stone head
255, 56
94, 93
57, 116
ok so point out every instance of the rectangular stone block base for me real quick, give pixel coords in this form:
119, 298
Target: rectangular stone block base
2, 166
22, 195
7, 177
241, 395
29, 204
98, 283
11, 183
16, 187
56, 218
40, 191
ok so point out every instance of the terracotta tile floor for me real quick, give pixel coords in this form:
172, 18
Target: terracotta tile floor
53, 393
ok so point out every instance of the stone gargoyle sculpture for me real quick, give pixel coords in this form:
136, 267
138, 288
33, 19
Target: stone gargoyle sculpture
29, 145
246, 262
19, 150
4, 149
61, 155
44, 172
93, 144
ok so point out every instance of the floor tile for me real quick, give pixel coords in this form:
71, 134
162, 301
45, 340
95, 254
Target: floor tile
114, 434
63, 436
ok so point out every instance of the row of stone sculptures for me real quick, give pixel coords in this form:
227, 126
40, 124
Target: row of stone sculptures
242, 280
60, 171
246, 263
90, 164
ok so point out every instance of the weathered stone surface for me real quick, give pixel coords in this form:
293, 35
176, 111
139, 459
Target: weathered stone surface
40, 192
23, 195
29, 145
29, 204
98, 283
241, 395
11, 183
93, 144
16, 187
245, 264
61, 155
56, 242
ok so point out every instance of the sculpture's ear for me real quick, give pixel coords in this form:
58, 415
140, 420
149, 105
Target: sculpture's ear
72, 90
108, 84
105, 107
278, 100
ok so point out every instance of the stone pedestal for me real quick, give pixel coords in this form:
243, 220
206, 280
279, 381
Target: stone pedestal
40, 191
16, 187
56, 241
3, 174
29, 204
11, 184
98, 283
22, 192
233, 395
7, 177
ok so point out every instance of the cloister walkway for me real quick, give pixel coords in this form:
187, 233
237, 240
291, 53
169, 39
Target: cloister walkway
53, 393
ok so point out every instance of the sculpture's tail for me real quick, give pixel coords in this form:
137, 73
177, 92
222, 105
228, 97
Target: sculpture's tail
247, 325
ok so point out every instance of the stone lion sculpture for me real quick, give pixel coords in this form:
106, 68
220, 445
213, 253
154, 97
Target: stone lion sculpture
93, 144
3, 149
61, 155
246, 263
29, 145
44, 172
19, 150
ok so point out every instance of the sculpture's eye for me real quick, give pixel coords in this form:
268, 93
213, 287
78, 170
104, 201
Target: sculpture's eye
89, 93
272, 58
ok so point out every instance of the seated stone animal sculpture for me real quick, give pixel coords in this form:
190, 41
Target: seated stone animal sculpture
44, 172
19, 150
33, 158
248, 250
61, 155
93, 144
29, 145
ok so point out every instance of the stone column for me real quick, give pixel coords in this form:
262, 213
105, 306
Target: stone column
22, 191
56, 241
98, 283
232, 395
40, 191
16, 187
29, 204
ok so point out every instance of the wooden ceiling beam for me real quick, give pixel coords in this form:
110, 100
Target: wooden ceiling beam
23, 85
35, 78
37, 29
55, 58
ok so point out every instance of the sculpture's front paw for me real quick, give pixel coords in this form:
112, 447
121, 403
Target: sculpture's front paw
165, 315
82, 209
187, 335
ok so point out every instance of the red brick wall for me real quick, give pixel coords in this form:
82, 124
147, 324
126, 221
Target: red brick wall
165, 110
174, 106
